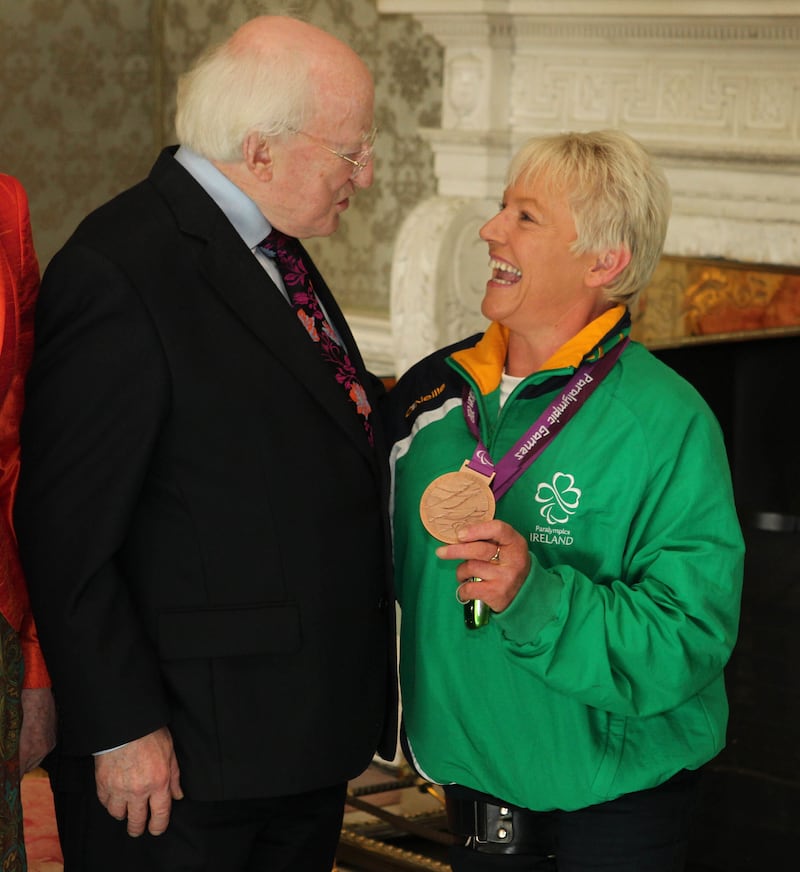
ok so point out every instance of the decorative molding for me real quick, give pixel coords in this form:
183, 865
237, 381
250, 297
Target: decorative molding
733, 239
683, 32
502, 29
373, 334
495, 30
581, 8
438, 276
470, 162
690, 101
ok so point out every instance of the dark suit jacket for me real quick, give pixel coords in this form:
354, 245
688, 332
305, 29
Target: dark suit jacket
201, 518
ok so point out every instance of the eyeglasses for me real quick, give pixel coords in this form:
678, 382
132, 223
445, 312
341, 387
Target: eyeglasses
359, 159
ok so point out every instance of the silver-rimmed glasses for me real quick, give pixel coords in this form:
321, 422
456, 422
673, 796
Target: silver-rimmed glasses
358, 159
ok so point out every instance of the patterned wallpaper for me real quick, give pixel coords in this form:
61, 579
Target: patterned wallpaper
87, 100
76, 105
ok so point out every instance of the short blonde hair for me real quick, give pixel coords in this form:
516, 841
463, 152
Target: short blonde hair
618, 197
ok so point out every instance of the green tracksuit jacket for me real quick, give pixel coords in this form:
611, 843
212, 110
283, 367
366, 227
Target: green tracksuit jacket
605, 674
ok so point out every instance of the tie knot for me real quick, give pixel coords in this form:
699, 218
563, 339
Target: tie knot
278, 244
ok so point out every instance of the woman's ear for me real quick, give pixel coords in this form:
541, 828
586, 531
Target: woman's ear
607, 266
258, 156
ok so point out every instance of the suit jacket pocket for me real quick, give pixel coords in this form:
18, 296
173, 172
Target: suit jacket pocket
240, 631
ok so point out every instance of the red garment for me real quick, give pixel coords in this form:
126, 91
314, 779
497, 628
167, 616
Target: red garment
19, 284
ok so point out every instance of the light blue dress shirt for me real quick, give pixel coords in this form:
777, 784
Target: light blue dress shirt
247, 219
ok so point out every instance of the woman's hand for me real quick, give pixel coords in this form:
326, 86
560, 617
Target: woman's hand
494, 552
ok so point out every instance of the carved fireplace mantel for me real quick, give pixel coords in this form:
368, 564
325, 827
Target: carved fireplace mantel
711, 87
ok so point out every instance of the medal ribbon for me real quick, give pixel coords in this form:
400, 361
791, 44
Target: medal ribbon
546, 427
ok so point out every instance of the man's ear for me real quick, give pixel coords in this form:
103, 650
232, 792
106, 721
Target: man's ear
257, 155
607, 266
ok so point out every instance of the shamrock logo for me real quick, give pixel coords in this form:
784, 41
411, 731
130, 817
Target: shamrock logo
560, 498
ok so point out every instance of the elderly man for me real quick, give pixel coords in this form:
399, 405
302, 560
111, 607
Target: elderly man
201, 511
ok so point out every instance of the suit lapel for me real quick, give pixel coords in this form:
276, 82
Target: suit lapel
240, 281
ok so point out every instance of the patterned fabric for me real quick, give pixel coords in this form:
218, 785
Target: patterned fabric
19, 286
12, 847
287, 254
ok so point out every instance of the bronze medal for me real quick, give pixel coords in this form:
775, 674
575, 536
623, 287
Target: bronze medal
454, 500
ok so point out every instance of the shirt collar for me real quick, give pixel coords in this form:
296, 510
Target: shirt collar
246, 218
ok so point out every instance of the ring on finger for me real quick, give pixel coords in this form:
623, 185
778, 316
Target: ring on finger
495, 558
458, 589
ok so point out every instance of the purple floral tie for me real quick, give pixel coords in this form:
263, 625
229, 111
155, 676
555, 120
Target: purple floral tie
286, 253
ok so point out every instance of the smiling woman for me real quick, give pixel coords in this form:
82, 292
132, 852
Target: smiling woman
542, 291
612, 566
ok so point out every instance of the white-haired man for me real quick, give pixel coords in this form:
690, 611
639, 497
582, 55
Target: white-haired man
201, 511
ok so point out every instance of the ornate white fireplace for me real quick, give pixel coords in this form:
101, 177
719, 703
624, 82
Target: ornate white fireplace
712, 87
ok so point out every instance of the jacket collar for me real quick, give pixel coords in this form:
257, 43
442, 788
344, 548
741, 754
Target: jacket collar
241, 282
485, 361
